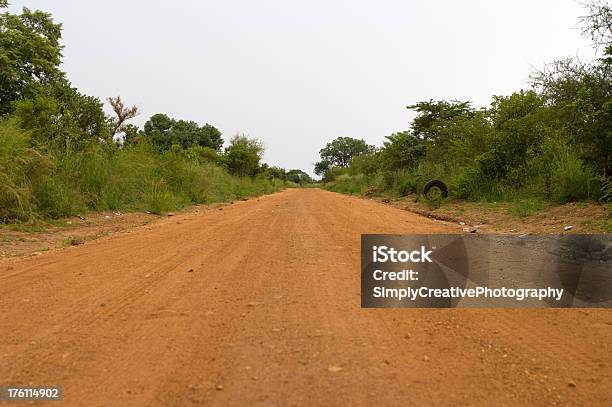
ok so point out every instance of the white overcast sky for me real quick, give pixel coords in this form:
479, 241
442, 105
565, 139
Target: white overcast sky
298, 74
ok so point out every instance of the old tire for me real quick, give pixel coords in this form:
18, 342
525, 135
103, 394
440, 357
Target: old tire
437, 184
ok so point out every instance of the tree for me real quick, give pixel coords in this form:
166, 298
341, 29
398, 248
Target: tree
402, 150
211, 137
186, 134
274, 172
298, 176
366, 164
123, 113
580, 94
435, 123
597, 23
243, 155
59, 117
131, 134
34, 88
30, 54
434, 117
340, 151
165, 132
322, 167
521, 125
157, 130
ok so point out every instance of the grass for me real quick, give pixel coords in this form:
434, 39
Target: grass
558, 176
598, 225
37, 185
525, 207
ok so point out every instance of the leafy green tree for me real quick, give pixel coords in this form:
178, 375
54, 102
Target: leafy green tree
298, 176
340, 151
402, 150
34, 88
164, 132
471, 138
580, 98
243, 155
521, 127
211, 137
322, 167
435, 123
131, 135
60, 117
274, 172
186, 134
433, 118
579, 94
366, 164
30, 54
157, 130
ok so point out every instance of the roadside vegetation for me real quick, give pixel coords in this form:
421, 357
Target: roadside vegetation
61, 155
550, 144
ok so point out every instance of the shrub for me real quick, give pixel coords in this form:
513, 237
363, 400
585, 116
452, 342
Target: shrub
19, 164
570, 179
101, 177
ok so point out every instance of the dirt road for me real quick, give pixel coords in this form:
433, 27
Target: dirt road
258, 304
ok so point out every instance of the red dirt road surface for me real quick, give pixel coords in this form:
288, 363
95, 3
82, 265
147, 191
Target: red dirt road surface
258, 303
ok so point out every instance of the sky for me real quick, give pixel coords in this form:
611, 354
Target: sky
297, 74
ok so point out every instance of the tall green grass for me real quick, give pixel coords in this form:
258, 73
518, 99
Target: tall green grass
36, 185
555, 174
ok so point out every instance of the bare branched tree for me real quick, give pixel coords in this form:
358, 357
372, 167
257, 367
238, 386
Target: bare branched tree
597, 23
123, 114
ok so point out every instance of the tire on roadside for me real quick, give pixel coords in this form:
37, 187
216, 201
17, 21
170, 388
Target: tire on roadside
436, 183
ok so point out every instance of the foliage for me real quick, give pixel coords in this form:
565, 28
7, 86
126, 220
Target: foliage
402, 150
273, 172
606, 189
433, 117
164, 132
60, 117
323, 167
58, 158
597, 23
340, 152
30, 54
298, 177
552, 142
242, 156
51, 185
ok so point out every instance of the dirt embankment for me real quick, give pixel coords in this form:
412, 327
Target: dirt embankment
517, 217
259, 304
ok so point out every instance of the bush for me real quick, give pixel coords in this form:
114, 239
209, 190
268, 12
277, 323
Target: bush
606, 189
16, 162
347, 184
570, 179
58, 184
160, 199
406, 186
